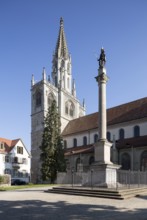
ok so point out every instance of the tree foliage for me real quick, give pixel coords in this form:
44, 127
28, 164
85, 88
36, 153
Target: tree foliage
52, 151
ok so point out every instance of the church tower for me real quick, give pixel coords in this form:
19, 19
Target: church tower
60, 87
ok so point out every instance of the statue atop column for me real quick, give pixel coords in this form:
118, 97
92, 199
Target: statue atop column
102, 59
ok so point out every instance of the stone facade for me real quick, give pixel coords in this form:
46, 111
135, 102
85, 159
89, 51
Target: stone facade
59, 87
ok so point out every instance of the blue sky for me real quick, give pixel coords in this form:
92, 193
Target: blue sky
28, 35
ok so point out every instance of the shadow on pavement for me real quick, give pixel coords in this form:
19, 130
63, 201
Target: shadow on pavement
37, 209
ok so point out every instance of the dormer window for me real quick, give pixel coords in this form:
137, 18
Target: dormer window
2, 145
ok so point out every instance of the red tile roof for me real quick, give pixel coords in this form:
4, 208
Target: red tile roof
122, 113
9, 144
135, 142
79, 150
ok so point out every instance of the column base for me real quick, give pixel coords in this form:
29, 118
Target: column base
104, 175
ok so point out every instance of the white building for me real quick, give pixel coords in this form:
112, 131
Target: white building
126, 129
14, 159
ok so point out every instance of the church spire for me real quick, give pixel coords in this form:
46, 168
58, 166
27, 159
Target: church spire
61, 46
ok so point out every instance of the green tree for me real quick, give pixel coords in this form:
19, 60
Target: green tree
52, 151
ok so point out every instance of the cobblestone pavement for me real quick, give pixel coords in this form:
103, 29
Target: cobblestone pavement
35, 204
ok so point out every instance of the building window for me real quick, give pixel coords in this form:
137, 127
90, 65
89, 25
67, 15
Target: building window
50, 99
95, 138
24, 161
91, 160
7, 159
143, 162
84, 140
19, 150
68, 83
121, 133
2, 145
38, 99
56, 81
125, 161
108, 136
136, 131
15, 160
7, 171
71, 111
75, 142
66, 108
65, 144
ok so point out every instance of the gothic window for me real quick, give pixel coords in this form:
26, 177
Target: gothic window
121, 133
108, 136
66, 108
68, 67
68, 82
144, 161
50, 99
56, 81
91, 160
95, 138
125, 161
75, 142
71, 110
62, 64
38, 99
84, 140
136, 131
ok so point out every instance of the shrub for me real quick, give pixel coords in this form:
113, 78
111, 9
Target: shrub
4, 179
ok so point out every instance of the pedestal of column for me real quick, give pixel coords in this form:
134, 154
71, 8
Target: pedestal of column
104, 171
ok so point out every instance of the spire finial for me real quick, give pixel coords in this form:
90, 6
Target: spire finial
44, 74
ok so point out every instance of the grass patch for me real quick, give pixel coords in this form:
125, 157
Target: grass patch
8, 188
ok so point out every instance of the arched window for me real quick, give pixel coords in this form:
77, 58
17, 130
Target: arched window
50, 99
143, 162
84, 140
66, 108
68, 82
95, 138
38, 99
121, 133
91, 160
126, 161
56, 81
75, 142
71, 110
108, 136
136, 131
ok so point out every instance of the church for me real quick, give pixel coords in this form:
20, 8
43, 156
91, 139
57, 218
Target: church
126, 123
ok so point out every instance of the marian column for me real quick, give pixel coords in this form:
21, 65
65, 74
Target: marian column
102, 151
104, 171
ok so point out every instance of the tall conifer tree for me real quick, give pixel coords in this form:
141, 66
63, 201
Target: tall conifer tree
52, 151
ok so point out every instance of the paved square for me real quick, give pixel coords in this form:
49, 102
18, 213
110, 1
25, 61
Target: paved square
34, 204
